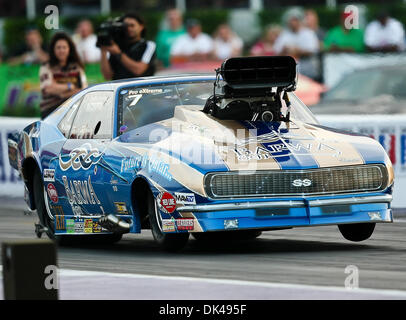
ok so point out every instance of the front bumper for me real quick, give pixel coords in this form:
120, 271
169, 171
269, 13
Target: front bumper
267, 215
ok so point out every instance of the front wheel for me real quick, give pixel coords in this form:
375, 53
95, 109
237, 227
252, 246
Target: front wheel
357, 232
168, 241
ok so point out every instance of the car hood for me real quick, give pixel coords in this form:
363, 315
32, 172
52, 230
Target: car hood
202, 142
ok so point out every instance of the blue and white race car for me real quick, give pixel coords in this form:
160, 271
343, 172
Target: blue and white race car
235, 153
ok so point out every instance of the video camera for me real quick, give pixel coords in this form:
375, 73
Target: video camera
112, 30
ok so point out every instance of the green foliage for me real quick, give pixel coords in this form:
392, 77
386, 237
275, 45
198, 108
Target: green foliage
21, 111
210, 19
14, 31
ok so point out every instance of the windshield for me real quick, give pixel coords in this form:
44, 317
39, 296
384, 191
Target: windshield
139, 106
366, 84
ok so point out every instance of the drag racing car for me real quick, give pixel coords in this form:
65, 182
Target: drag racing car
232, 154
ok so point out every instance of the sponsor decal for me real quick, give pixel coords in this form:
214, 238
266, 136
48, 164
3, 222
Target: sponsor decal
58, 211
79, 227
150, 163
168, 225
166, 202
60, 222
284, 149
185, 198
52, 193
49, 175
70, 226
77, 211
121, 208
88, 226
231, 224
81, 158
403, 149
96, 227
145, 91
387, 138
80, 191
185, 223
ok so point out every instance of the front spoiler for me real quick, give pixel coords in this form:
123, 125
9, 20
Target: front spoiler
268, 215
387, 198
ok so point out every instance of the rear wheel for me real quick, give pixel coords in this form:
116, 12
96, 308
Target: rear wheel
357, 232
47, 220
168, 241
41, 202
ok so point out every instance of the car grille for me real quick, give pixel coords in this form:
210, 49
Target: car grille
324, 181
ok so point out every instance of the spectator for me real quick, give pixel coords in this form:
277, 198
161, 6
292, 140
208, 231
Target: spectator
311, 21
193, 46
167, 37
85, 41
62, 76
226, 43
385, 34
137, 59
342, 39
299, 42
265, 47
32, 52
296, 40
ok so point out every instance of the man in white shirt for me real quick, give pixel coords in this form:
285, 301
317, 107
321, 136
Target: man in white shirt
299, 42
193, 46
226, 43
296, 40
85, 41
385, 34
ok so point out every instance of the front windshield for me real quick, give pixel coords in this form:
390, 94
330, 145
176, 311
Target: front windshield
140, 106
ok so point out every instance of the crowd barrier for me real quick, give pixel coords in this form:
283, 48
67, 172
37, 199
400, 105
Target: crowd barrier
19, 85
389, 130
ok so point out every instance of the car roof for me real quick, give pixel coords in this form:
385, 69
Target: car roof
151, 80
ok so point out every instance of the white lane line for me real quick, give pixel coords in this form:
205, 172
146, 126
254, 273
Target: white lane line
273, 285
80, 273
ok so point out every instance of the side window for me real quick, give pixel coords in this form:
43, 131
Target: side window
66, 122
94, 120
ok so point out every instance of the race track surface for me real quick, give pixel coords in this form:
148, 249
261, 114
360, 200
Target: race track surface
297, 259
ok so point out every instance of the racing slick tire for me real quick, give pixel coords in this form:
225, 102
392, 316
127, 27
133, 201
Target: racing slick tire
47, 220
357, 232
41, 202
237, 235
168, 241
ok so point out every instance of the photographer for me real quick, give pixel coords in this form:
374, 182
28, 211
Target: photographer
134, 59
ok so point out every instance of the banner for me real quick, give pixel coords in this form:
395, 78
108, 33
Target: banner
390, 131
19, 85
